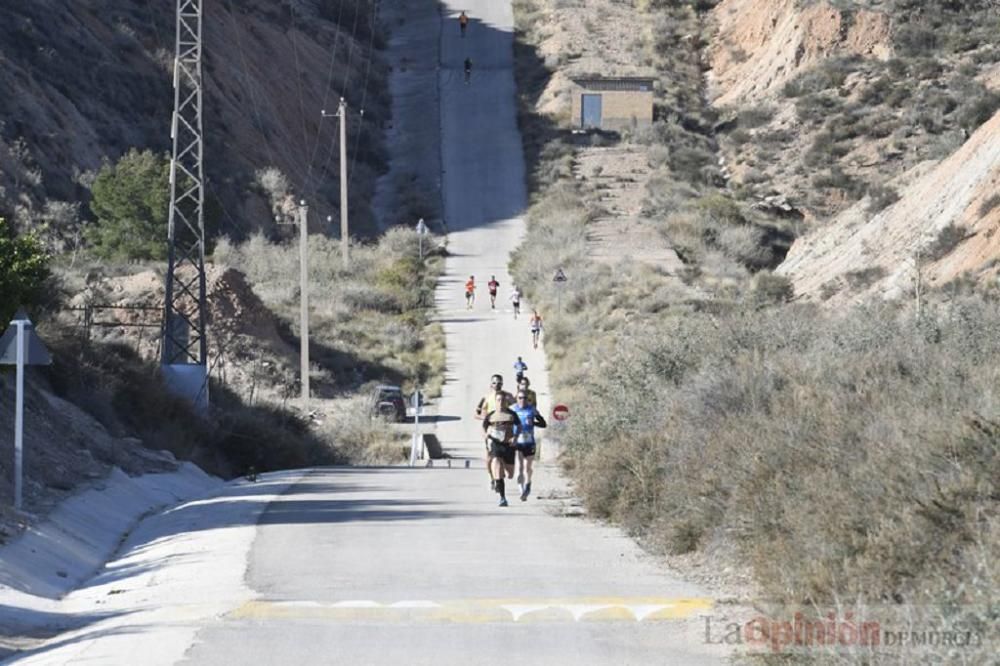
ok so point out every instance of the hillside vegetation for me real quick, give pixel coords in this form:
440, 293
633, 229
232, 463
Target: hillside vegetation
84, 150
845, 459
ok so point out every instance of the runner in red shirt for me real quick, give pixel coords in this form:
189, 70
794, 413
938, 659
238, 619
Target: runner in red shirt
493, 286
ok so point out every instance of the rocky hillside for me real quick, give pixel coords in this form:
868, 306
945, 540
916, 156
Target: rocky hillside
85, 82
863, 117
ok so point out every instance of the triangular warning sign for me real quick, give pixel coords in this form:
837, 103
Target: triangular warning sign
560, 276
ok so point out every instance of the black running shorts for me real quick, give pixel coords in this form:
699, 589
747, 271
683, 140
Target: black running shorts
526, 449
500, 450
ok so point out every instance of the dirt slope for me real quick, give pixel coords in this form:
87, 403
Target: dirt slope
762, 44
954, 193
85, 81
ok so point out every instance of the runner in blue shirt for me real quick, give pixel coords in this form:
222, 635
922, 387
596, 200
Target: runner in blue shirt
524, 442
520, 367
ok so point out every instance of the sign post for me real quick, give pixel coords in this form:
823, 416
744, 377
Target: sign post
20, 346
421, 232
560, 279
415, 446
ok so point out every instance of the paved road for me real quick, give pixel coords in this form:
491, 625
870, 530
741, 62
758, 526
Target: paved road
419, 566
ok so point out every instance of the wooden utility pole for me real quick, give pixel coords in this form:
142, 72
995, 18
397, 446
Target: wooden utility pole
344, 235
304, 300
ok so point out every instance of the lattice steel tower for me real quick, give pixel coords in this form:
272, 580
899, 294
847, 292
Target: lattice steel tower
185, 349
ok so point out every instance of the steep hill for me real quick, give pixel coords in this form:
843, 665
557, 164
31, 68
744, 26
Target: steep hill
84, 82
823, 103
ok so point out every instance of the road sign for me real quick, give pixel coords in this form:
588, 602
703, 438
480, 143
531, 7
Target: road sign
559, 276
20, 346
35, 352
560, 412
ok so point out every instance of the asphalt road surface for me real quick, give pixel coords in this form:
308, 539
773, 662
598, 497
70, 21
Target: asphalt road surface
420, 566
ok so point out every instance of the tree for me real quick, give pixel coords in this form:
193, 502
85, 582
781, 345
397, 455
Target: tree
24, 267
131, 201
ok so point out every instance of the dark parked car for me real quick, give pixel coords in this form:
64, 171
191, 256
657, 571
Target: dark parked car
388, 402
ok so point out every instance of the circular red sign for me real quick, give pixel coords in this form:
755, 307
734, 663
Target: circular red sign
560, 412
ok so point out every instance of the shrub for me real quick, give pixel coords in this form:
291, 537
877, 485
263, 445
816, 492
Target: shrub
977, 108
947, 240
989, 204
862, 279
770, 288
755, 116
23, 271
131, 201
881, 197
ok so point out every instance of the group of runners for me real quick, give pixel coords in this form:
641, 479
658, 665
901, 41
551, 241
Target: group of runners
534, 322
509, 423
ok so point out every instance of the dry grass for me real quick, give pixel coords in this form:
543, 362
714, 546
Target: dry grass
371, 318
850, 457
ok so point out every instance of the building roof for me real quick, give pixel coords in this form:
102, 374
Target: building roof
629, 83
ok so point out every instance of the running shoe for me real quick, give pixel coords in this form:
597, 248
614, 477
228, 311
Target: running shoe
527, 489
503, 501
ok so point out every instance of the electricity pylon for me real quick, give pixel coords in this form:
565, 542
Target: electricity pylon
185, 349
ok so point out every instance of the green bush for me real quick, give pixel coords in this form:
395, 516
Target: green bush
23, 271
131, 203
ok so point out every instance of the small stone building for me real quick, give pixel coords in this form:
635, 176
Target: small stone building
612, 103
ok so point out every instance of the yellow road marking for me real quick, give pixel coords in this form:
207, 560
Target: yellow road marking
584, 609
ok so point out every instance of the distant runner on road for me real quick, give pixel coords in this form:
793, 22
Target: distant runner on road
470, 292
493, 285
520, 367
524, 443
463, 22
536, 327
515, 300
468, 70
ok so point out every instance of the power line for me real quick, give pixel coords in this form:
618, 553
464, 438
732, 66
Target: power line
328, 86
364, 89
298, 76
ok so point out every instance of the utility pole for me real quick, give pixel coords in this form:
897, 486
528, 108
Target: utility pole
304, 300
344, 236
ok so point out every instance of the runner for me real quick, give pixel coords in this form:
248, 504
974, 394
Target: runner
468, 71
493, 285
520, 367
501, 426
528, 419
536, 327
463, 22
522, 387
515, 300
495, 398
470, 292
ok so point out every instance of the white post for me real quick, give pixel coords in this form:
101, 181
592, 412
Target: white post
421, 232
415, 444
19, 414
416, 423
